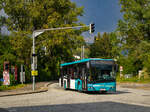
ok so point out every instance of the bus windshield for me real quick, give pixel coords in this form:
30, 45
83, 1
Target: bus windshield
102, 71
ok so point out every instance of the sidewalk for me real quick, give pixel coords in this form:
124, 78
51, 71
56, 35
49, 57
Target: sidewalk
135, 85
39, 87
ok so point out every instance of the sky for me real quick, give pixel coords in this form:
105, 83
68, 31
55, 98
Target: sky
104, 13
3, 28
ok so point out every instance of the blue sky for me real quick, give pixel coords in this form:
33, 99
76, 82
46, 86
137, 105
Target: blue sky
104, 13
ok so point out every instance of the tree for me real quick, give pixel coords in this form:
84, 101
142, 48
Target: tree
26, 16
6, 52
134, 31
105, 46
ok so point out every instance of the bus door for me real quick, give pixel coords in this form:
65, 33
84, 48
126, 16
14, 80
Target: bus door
62, 76
68, 82
84, 79
68, 76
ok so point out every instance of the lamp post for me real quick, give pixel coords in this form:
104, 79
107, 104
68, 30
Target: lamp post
38, 32
33, 54
82, 52
35, 34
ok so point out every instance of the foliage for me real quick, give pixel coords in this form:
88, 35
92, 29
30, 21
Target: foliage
26, 16
12, 80
21, 45
133, 80
6, 52
1, 83
105, 46
135, 34
78, 50
3, 87
129, 65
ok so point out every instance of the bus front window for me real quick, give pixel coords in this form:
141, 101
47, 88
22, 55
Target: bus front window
103, 73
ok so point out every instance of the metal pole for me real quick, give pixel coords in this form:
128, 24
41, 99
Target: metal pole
61, 28
33, 60
21, 73
83, 51
33, 83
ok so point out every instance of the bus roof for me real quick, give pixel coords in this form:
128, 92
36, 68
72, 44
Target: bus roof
84, 60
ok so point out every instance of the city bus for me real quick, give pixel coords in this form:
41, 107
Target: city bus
92, 74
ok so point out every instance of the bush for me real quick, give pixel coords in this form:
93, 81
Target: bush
1, 83
12, 80
133, 80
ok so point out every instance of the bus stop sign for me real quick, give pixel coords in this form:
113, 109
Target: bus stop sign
34, 72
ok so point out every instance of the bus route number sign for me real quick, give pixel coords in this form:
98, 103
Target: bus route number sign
34, 72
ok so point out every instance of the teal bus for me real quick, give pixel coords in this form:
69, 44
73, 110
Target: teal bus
92, 74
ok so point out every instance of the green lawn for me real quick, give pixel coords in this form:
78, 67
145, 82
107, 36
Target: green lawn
133, 80
2, 88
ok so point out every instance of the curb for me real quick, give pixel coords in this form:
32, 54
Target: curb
42, 89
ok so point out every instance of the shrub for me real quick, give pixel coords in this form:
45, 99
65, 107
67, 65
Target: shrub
1, 83
12, 80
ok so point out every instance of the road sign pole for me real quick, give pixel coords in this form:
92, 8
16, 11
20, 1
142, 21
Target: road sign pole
33, 61
33, 83
21, 75
82, 52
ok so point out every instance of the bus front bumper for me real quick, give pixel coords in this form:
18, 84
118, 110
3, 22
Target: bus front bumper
102, 87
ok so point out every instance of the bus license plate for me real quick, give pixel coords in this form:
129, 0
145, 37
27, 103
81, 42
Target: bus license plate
102, 89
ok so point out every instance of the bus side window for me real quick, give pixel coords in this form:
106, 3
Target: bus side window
65, 72
68, 72
75, 72
83, 68
80, 72
83, 72
72, 72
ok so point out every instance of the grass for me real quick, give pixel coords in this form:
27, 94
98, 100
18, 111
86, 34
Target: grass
3, 87
133, 80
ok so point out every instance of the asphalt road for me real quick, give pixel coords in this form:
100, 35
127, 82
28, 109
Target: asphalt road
59, 100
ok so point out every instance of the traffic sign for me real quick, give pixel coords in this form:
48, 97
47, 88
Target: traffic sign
34, 72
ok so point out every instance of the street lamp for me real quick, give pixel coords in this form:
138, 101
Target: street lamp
35, 34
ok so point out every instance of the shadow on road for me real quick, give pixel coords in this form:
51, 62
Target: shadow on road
99, 93
105, 93
83, 107
3, 110
91, 92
